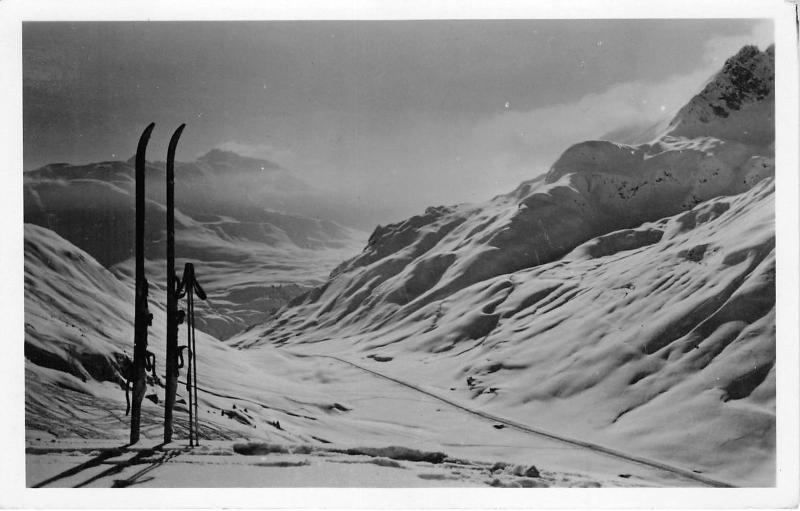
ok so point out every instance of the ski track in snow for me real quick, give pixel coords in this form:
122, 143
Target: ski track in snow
536, 431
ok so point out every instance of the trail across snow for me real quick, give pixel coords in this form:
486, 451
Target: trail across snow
536, 431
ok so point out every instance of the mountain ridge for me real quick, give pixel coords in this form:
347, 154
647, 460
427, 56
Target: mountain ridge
595, 187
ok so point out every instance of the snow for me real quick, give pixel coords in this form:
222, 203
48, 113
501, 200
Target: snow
218, 464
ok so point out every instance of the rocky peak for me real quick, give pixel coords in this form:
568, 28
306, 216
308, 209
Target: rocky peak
745, 82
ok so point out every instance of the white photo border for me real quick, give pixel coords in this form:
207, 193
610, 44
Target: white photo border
13, 492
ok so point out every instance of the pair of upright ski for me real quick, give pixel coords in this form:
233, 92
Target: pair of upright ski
176, 288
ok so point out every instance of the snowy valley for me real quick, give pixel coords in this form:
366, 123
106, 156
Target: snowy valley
610, 322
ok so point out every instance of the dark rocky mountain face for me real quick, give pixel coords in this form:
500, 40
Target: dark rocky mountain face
737, 104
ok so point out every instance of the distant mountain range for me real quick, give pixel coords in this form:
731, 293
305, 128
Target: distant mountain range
252, 258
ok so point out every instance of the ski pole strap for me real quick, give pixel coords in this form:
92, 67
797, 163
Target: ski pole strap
180, 356
143, 309
189, 280
128, 383
179, 290
150, 362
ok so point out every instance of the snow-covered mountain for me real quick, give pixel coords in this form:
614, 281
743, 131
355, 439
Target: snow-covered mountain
251, 259
627, 295
594, 188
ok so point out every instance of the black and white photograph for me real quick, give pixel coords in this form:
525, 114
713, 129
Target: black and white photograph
403, 252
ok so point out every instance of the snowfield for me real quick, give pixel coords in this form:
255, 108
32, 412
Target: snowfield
609, 323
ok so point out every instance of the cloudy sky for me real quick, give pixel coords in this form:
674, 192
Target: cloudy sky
383, 118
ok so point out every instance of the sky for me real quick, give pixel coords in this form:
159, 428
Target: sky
383, 118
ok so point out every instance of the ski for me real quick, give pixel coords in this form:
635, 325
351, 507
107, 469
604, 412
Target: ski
142, 316
173, 292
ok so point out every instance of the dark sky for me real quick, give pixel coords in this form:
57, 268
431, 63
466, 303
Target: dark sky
421, 112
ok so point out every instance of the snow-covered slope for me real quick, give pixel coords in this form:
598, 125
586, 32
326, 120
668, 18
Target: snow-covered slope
658, 339
251, 259
626, 296
79, 344
267, 418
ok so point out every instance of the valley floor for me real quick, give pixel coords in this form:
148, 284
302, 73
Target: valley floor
388, 434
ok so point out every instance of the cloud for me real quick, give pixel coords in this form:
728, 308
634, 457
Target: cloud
538, 136
264, 151
717, 49
388, 168
525, 143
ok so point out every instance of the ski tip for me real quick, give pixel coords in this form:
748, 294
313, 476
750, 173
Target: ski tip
142, 146
178, 131
146, 134
173, 143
